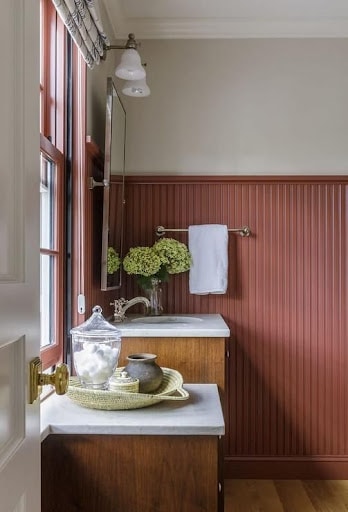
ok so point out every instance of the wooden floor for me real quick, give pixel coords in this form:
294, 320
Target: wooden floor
286, 495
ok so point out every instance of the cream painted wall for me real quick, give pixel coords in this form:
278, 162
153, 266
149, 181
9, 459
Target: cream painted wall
268, 106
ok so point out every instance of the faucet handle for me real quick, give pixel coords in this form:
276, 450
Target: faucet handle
117, 303
118, 312
118, 309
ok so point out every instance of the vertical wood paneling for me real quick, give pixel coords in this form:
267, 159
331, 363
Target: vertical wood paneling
286, 303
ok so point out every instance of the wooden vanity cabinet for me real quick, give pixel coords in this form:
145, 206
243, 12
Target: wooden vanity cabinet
147, 473
199, 360
108, 473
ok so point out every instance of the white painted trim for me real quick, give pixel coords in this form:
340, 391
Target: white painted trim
237, 173
232, 28
222, 28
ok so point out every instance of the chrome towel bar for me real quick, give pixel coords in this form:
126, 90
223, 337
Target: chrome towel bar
244, 231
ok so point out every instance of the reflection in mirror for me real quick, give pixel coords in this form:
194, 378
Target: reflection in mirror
113, 202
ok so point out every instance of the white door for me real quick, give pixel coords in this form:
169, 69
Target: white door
19, 253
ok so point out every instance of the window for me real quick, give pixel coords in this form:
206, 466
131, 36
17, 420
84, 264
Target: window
52, 184
51, 252
63, 177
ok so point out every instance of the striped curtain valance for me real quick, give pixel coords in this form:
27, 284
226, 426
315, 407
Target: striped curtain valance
82, 19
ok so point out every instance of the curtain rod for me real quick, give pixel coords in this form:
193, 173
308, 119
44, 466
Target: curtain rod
244, 231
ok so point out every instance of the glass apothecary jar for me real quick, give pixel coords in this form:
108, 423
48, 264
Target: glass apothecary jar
96, 346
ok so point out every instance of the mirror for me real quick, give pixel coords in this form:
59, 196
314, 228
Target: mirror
113, 200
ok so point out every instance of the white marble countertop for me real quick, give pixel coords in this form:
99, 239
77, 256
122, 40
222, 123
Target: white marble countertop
192, 325
201, 414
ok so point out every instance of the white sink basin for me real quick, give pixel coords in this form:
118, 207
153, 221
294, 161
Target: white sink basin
169, 319
172, 325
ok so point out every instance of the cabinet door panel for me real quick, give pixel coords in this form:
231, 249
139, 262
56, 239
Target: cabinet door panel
136, 473
199, 360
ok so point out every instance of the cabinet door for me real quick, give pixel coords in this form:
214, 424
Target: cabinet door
104, 473
199, 360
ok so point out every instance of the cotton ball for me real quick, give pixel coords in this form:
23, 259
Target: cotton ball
96, 362
90, 347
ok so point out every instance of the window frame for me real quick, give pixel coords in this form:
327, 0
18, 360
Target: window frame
53, 353
63, 78
52, 146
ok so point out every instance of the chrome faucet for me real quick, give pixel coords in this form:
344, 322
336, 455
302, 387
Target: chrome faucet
121, 306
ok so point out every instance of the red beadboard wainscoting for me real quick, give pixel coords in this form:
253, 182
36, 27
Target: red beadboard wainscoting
286, 306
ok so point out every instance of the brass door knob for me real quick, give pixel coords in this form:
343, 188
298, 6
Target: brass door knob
59, 379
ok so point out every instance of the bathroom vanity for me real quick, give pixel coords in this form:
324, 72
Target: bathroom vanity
164, 458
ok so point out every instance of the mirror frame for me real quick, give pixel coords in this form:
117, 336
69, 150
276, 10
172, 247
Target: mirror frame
111, 282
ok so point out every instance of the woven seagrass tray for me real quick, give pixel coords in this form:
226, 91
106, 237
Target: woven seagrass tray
108, 400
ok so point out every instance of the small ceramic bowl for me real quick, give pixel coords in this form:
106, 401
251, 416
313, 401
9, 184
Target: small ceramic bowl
122, 382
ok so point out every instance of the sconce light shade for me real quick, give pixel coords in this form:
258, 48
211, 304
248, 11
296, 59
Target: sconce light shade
136, 88
130, 67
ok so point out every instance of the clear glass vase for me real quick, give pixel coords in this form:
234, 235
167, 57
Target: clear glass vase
154, 294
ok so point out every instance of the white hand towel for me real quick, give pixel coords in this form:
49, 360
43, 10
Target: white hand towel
208, 245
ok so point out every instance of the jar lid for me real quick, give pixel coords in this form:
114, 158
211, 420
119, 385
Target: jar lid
96, 326
122, 377
121, 381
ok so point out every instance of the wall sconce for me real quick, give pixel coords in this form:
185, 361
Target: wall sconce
136, 88
131, 69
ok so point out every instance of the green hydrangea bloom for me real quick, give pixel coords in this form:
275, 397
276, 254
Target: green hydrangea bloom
167, 256
174, 255
142, 261
113, 261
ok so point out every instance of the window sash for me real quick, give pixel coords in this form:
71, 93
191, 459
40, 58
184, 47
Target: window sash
52, 260
52, 75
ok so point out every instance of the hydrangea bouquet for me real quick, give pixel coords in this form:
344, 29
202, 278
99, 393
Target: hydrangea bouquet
167, 256
113, 261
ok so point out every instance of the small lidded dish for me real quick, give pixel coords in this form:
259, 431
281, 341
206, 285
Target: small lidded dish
96, 347
123, 383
